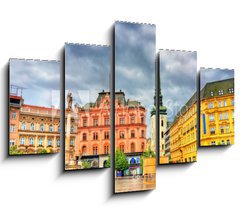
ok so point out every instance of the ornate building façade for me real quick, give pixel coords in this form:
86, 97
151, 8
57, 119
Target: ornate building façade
217, 113
33, 129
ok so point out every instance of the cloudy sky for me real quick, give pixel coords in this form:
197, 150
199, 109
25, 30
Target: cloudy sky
40, 80
211, 75
135, 48
178, 71
87, 71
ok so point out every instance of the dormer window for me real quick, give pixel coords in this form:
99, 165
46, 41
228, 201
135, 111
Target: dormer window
220, 92
230, 90
211, 93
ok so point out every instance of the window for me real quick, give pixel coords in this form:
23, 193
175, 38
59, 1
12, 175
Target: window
95, 122
210, 105
228, 142
59, 129
122, 148
162, 123
121, 135
40, 141
71, 142
211, 93
211, 117
212, 130
72, 129
122, 121
106, 149
142, 134
58, 142
84, 150
32, 127
219, 103
50, 128
162, 134
12, 128
106, 121
142, 147
232, 102
213, 142
132, 120
23, 127
221, 129
50, 142
84, 137
132, 134
226, 115
227, 128
220, 92
224, 103
42, 127
132, 147
233, 114
95, 150
14, 115
84, 122
31, 141
223, 143
230, 90
142, 120
95, 136
22, 141
106, 135
220, 116
12, 142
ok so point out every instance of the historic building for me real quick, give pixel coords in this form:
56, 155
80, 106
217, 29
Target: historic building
93, 131
217, 113
33, 129
183, 133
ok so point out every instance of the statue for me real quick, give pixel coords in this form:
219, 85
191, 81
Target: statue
69, 100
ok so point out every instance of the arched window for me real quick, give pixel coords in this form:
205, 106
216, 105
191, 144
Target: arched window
122, 148
132, 134
42, 127
106, 149
84, 137
132, 147
95, 150
31, 141
23, 126
32, 127
162, 123
84, 150
72, 129
142, 133
142, 120
50, 128
142, 147
40, 141
22, 141
71, 142
162, 134
95, 136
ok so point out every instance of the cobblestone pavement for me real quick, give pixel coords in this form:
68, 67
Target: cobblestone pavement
124, 184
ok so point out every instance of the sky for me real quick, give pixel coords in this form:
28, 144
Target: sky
40, 80
178, 72
135, 49
211, 75
87, 71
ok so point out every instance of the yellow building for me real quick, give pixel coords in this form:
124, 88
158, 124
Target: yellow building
183, 134
217, 113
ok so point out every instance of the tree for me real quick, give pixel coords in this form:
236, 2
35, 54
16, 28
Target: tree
108, 163
149, 153
86, 164
121, 162
14, 150
43, 151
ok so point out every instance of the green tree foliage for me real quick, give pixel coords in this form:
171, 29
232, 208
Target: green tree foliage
86, 164
14, 150
121, 162
149, 153
43, 151
108, 163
